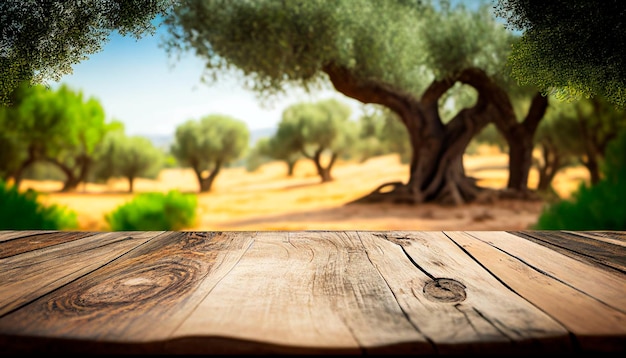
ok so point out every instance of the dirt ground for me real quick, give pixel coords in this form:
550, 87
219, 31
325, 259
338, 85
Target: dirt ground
269, 200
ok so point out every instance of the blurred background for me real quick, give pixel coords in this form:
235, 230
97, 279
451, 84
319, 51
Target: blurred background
307, 115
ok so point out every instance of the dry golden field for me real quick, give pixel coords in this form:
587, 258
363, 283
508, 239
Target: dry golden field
269, 200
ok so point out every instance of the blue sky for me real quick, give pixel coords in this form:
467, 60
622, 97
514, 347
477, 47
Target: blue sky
137, 83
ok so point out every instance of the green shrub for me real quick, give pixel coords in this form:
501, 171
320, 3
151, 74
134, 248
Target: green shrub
154, 211
22, 211
598, 207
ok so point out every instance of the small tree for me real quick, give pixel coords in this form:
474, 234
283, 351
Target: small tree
576, 132
281, 147
490, 135
206, 145
129, 157
318, 129
13, 150
594, 207
381, 132
558, 139
59, 127
599, 122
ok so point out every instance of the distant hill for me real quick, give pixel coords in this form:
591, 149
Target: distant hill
164, 141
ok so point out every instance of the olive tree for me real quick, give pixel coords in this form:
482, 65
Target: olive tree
279, 147
60, 127
380, 133
316, 130
207, 144
129, 157
403, 55
579, 129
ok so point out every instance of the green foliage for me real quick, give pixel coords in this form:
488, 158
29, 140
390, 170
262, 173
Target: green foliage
60, 127
154, 211
214, 138
573, 48
258, 155
275, 45
314, 130
597, 207
210, 143
381, 132
43, 171
320, 126
491, 135
170, 161
398, 53
579, 131
22, 211
129, 157
13, 151
41, 40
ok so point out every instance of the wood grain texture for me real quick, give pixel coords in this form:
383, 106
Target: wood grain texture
491, 318
142, 295
19, 244
612, 237
596, 325
605, 286
30, 275
312, 292
12, 234
304, 289
604, 251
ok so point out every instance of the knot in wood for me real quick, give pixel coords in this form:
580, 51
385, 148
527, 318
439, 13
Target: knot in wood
444, 290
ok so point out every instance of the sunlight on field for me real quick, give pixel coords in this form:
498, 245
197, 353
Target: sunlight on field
268, 199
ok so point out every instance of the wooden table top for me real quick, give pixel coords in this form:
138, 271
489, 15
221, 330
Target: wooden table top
313, 292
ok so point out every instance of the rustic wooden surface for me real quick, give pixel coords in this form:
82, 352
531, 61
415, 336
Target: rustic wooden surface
302, 292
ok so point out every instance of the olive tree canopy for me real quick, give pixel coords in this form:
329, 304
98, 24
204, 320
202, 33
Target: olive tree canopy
273, 45
207, 144
41, 40
60, 127
572, 48
316, 130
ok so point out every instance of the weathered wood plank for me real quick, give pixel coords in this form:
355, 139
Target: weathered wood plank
326, 292
612, 237
12, 234
600, 253
21, 244
454, 301
605, 286
141, 296
309, 292
30, 275
597, 326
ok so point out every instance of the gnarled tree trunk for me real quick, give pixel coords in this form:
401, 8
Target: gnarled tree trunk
33, 156
131, 183
206, 181
519, 136
436, 170
73, 175
291, 166
549, 167
323, 171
